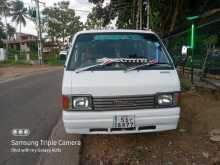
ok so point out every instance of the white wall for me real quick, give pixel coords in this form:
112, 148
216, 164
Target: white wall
2, 54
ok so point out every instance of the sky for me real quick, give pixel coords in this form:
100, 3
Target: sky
74, 4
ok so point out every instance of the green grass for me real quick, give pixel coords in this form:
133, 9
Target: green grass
52, 60
12, 62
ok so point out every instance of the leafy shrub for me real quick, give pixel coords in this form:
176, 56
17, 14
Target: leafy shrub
185, 84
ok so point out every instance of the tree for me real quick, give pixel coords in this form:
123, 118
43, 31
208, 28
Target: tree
2, 33
122, 10
32, 14
94, 19
11, 31
165, 15
173, 13
60, 21
4, 8
19, 15
4, 11
155, 17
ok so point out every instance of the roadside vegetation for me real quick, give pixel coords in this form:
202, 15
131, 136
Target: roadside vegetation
185, 83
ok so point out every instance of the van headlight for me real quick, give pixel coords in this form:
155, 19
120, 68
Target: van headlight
168, 99
82, 103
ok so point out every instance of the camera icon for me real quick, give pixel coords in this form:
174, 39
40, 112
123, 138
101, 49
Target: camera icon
20, 132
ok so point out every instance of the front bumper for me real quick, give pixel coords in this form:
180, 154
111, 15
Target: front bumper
147, 120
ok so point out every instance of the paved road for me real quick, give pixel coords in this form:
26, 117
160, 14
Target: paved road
32, 102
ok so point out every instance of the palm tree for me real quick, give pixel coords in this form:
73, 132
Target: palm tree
19, 15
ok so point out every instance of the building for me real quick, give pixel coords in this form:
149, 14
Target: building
25, 39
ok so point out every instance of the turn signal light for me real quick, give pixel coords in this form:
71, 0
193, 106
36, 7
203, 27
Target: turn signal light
65, 100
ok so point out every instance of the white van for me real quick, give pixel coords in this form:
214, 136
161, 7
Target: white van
119, 81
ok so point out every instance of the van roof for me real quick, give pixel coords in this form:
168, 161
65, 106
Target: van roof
118, 30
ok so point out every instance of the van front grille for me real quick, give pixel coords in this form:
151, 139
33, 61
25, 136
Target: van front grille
123, 102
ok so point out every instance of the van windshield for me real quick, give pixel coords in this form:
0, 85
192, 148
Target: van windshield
134, 48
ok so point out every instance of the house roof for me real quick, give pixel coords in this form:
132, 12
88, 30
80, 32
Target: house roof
25, 34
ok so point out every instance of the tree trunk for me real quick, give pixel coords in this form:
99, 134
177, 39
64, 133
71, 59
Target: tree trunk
141, 14
133, 13
173, 20
138, 15
211, 12
165, 21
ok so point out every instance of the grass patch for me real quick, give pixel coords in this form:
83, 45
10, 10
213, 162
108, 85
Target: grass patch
10, 63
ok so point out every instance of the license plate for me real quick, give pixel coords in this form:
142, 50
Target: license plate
124, 121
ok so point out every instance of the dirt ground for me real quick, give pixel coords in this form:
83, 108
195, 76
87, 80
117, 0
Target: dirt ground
8, 72
190, 144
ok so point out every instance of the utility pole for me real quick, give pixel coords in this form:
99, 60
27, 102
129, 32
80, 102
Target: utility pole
147, 9
39, 32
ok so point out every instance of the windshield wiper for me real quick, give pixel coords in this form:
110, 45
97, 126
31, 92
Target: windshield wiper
145, 64
105, 61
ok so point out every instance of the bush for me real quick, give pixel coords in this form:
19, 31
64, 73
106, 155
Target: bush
13, 52
34, 56
21, 56
185, 84
51, 60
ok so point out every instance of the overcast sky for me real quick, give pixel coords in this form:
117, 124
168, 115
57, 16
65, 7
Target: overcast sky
74, 4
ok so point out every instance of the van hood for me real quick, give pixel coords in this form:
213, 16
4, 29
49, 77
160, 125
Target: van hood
115, 83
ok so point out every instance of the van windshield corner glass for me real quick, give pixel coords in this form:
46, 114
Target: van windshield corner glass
89, 48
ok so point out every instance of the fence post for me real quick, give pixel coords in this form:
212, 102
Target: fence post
192, 67
204, 63
27, 57
16, 57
